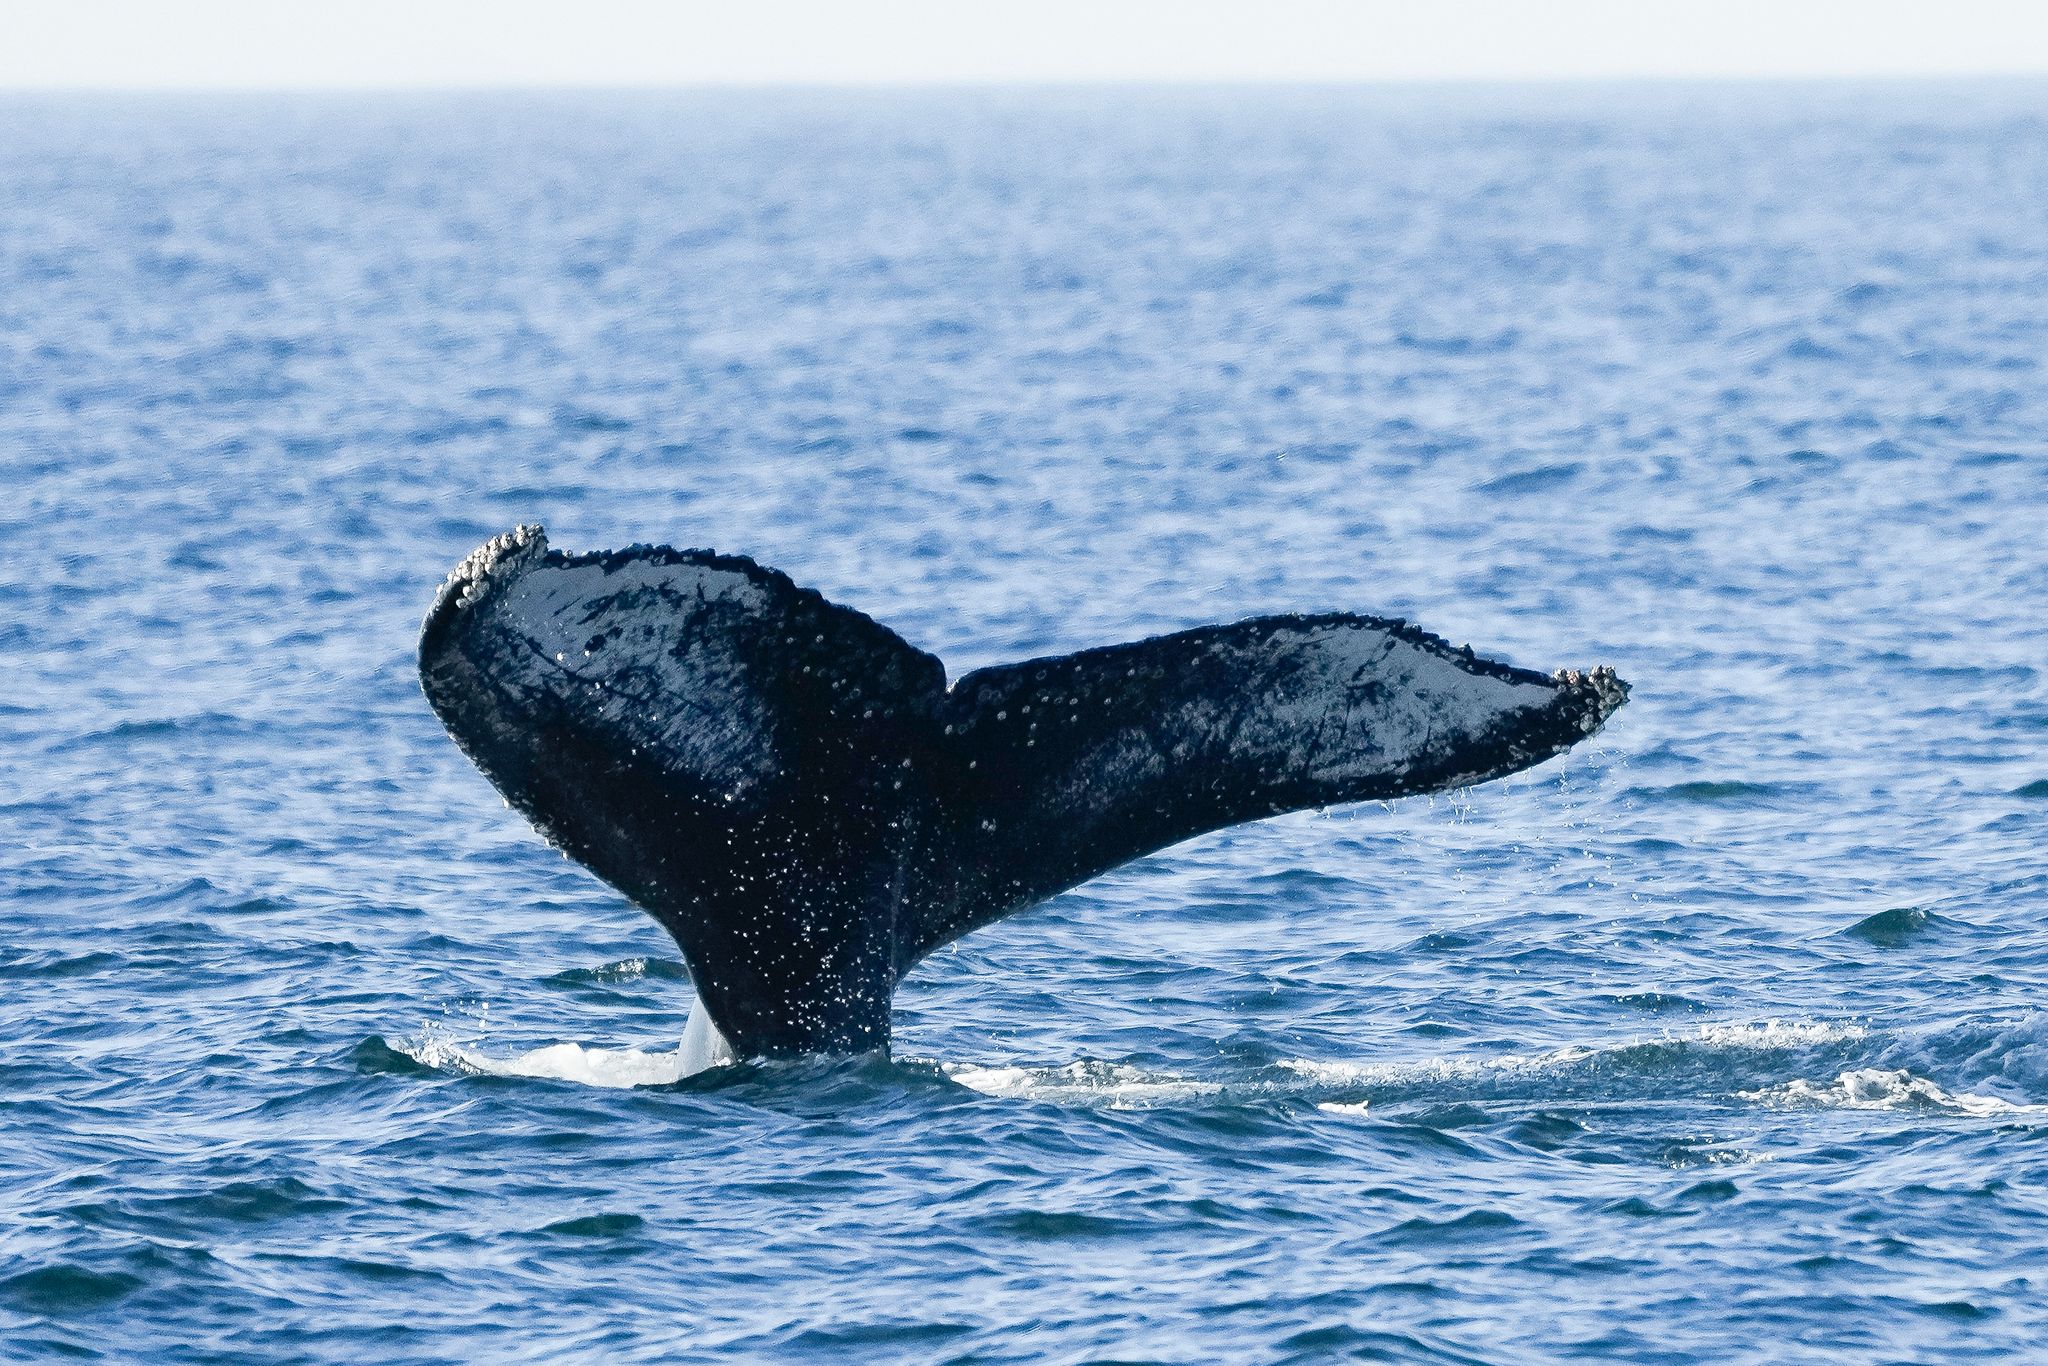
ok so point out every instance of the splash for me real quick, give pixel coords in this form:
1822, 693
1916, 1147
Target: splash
613, 1068
1763, 1034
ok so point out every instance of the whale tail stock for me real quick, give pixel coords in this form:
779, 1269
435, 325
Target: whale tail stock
796, 794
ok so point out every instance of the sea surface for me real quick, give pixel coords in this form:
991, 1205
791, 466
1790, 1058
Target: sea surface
1721, 1039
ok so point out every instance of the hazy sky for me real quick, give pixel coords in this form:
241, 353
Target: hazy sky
293, 43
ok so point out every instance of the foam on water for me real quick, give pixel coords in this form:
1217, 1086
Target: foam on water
1872, 1088
1663, 1054
610, 1068
1666, 1066
1090, 1082
1761, 1034
1716, 1058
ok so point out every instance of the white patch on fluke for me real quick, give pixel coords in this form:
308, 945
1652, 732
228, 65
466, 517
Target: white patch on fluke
1391, 695
703, 1047
669, 688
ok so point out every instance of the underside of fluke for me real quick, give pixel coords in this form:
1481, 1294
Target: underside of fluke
801, 799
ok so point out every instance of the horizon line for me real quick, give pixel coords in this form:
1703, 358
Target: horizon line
1062, 83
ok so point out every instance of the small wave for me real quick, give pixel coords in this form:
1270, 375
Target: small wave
1707, 792
1899, 925
1459, 345
1540, 480
624, 970
597, 1226
1636, 1054
211, 723
1666, 1057
52, 965
1048, 1226
376, 1056
67, 1288
1422, 1231
1875, 1088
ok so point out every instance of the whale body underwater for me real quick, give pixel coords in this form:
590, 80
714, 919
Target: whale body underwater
803, 801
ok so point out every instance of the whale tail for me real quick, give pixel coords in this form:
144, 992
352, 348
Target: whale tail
799, 797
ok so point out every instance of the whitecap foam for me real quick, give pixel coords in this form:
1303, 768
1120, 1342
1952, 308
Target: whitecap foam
1876, 1088
1115, 1086
2004, 1054
1753, 1034
1122, 1086
1327, 1073
607, 1067
1696, 1059
1774, 1034
1756, 1035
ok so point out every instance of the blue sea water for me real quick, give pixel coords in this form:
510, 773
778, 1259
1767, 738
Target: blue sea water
1721, 1039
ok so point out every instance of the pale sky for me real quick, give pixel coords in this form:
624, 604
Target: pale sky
295, 44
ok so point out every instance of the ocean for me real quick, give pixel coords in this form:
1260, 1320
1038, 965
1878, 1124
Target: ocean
1721, 1038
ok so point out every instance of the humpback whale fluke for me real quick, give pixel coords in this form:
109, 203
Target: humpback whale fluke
799, 797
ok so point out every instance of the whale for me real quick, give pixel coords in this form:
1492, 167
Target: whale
809, 806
